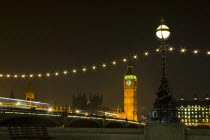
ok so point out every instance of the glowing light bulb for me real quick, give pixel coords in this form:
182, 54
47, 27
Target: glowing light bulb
135, 56
84, 69
114, 62
163, 32
74, 71
15, 75
48, 74
31, 75
146, 53
208, 52
39, 75
171, 49
195, 51
1, 75
65, 72
157, 50
183, 50
8, 76
23, 76
124, 60
56, 73
104, 65
94, 67
50, 109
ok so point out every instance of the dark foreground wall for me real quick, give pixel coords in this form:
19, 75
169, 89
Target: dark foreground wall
88, 133
152, 132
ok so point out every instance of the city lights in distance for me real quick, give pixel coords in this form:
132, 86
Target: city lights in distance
124, 59
114, 62
157, 50
39, 75
56, 73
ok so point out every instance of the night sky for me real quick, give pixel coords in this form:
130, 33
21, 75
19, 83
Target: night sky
55, 36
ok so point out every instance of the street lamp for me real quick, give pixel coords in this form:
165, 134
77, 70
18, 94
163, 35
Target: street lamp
162, 31
165, 107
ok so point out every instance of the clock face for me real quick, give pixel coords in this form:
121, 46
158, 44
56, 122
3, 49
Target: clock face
128, 83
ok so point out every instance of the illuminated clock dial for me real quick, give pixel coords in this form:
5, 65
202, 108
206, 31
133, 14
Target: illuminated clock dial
128, 83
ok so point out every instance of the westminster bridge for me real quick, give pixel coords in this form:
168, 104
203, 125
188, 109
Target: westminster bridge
61, 119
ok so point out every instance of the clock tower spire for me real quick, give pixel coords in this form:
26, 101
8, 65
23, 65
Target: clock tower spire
130, 93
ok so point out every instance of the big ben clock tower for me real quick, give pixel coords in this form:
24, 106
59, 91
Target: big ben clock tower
130, 93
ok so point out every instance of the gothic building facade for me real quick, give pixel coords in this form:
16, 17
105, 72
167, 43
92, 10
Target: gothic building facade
91, 103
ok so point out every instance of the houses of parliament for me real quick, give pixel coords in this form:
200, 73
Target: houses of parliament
194, 112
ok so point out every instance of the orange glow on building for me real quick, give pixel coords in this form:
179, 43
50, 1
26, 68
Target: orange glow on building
130, 94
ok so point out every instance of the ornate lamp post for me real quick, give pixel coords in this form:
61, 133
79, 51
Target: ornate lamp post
165, 107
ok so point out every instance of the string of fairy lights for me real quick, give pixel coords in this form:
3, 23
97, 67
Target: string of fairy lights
95, 67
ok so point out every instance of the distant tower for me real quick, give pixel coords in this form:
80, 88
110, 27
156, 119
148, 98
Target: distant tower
130, 93
30, 95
